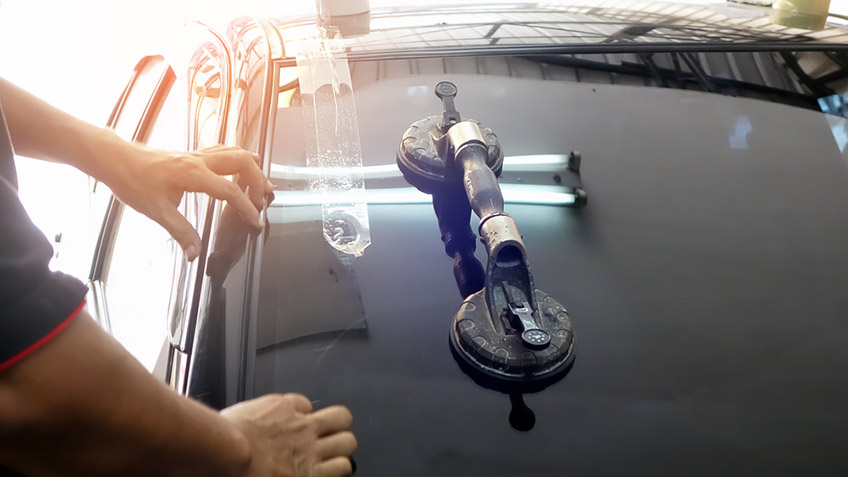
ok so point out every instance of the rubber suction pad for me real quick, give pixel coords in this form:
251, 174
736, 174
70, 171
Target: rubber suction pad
489, 346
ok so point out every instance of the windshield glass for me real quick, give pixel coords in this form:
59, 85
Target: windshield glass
686, 208
688, 162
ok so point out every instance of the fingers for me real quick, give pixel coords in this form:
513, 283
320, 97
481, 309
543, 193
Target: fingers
217, 147
165, 176
336, 467
331, 420
285, 434
227, 160
230, 160
223, 189
238, 161
301, 402
340, 444
182, 231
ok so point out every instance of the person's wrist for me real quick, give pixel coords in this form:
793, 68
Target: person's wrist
108, 158
242, 452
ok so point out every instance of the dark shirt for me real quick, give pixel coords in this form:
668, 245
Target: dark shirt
35, 303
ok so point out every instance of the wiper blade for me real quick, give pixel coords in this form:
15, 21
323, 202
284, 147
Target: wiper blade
695, 66
648, 60
648, 68
815, 86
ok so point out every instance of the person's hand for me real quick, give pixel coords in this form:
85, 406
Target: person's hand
230, 237
287, 439
155, 181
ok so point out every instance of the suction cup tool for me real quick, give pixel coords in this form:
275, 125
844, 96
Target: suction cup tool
502, 347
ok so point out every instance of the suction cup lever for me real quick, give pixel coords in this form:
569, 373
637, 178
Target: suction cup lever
532, 336
446, 91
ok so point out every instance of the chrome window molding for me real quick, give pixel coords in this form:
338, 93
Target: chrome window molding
104, 247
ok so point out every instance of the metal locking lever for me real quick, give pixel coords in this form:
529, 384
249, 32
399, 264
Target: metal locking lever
533, 336
446, 91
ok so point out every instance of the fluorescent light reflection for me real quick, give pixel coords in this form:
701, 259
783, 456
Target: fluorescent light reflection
513, 194
279, 171
537, 162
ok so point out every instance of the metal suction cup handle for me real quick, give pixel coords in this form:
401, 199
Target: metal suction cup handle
506, 330
481, 185
467, 154
457, 161
446, 91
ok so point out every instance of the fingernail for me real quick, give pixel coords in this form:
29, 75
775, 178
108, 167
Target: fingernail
191, 252
270, 184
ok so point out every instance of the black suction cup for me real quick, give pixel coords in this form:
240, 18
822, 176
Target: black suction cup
426, 169
493, 352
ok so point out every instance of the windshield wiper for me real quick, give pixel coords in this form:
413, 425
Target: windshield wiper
815, 86
648, 60
677, 77
695, 66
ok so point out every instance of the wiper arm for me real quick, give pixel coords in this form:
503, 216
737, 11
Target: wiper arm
695, 66
815, 86
650, 69
648, 60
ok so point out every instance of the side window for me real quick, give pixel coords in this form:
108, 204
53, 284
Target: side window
192, 336
138, 286
206, 103
142, 288
134, 256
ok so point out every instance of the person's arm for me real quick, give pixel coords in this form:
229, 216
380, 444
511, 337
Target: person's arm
82, 405
147, 180
74, 402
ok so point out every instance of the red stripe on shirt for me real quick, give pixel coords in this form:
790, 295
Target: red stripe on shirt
43, 340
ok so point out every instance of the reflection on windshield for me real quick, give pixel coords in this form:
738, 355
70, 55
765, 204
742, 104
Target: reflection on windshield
839, 129
739, 138
309, 292
513, 193
576, 24
382, 181
521, 417
536, 162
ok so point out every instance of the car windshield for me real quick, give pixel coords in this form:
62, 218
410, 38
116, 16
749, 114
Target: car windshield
686, 207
